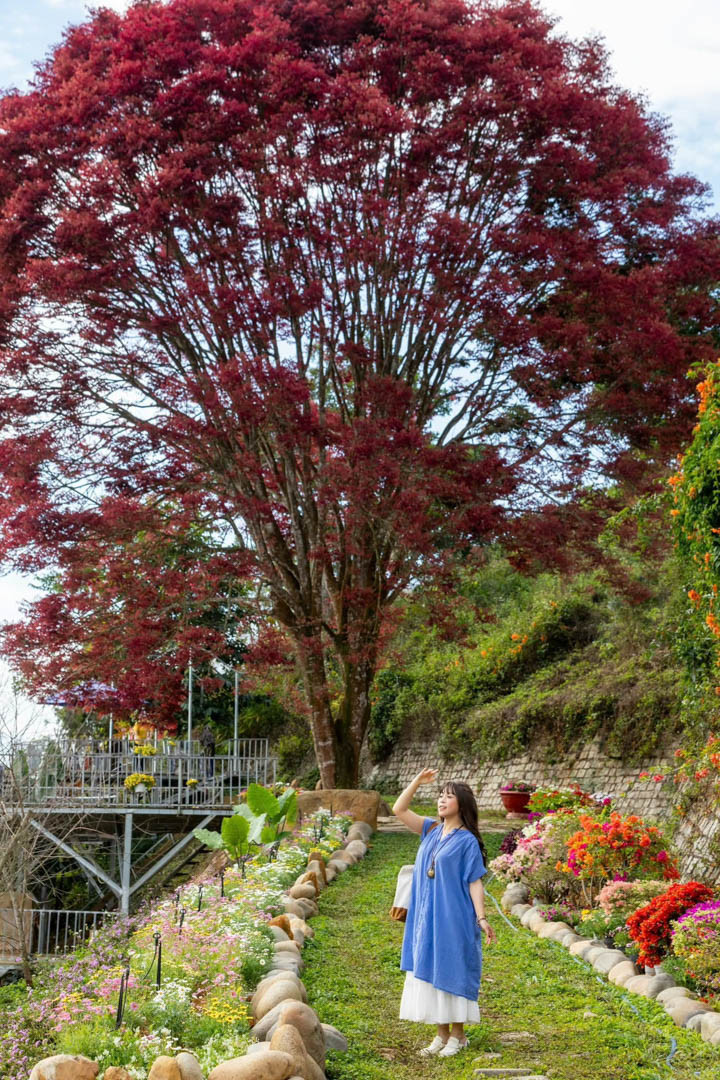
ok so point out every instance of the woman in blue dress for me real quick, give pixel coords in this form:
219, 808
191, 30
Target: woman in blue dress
442, 947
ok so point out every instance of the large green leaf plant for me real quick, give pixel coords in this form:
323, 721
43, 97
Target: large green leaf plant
264, 820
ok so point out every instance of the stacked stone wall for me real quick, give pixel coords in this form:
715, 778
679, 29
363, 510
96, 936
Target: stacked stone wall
589, 767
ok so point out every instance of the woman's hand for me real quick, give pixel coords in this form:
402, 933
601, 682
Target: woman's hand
401, 806
487, 930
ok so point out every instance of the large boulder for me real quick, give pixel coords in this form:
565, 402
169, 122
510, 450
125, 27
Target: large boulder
309, 877
581, 948
359, 805
682, 1009
293, 907
516, 893
622, 972
360, 830
189, 1066
299, 924
607, 960
278, 933
116, 1072
638, 984
65, 1067
164, 1068
549, 929
288, 1039
269, 1065
306, 1021
281, 990
710, 1024
334, 1039
319, 869
658, 983
566, 938
273, 976
290, 947
357, 848
298, 892
672, 992
342, 855
518, 910
283, 922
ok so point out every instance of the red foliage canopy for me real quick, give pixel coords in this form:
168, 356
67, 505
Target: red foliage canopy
128, 609
368, 278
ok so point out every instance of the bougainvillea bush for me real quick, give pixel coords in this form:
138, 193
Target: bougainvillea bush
215, 948
650, 926
534, 859
608, 848
571, 853
625, 897
695, 939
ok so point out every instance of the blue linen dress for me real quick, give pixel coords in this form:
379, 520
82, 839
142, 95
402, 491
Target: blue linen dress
442, 943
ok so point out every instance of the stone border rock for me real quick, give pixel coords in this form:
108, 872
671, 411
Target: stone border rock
679, 1003
292, 1041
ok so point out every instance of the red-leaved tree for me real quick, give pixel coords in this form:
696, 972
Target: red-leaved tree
129, 606
371, 280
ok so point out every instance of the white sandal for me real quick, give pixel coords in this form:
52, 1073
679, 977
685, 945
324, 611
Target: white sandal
452, 1046
435, 1047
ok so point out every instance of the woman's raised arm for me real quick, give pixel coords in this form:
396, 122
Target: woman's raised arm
401, 807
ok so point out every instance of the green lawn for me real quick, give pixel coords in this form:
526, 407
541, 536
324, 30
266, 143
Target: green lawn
354, 981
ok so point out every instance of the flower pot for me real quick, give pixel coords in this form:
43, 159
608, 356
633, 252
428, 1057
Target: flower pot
140, 789
516, 802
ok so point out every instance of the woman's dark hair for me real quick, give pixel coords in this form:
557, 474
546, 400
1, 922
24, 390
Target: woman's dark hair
467, 808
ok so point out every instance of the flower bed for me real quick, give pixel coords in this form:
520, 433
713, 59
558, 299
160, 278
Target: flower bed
612, 888
215, 948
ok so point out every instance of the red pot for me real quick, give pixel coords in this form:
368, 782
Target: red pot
516, 802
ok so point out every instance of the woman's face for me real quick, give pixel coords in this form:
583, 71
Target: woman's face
447, 804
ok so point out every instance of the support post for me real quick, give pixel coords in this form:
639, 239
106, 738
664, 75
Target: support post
189, 708
235, 723
126, 865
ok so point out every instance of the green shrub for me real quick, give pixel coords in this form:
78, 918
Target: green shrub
563, 662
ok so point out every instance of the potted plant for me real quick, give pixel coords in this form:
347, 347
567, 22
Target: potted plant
139, 783
515, 796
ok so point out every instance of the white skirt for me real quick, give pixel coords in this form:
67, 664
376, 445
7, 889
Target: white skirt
423, 1002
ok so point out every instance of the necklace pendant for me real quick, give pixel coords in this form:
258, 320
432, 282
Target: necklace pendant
431, 872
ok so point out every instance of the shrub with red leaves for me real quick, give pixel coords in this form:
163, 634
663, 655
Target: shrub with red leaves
649, 926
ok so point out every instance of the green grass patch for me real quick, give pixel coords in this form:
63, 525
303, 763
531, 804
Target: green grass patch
354, 981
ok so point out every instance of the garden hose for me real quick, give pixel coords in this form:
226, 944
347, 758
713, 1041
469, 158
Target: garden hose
624, 997
500, 912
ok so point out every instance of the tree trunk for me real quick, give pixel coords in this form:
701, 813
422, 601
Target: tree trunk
338, 734
321, 722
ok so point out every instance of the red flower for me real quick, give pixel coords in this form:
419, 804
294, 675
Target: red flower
650, 926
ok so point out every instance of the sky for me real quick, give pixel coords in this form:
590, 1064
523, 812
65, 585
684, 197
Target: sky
668, 52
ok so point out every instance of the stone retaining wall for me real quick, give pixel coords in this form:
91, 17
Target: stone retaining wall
589, 767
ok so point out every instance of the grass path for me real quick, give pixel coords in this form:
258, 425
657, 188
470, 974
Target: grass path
577, 1028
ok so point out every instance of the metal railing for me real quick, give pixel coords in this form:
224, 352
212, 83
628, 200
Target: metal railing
83, 773
56, 932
